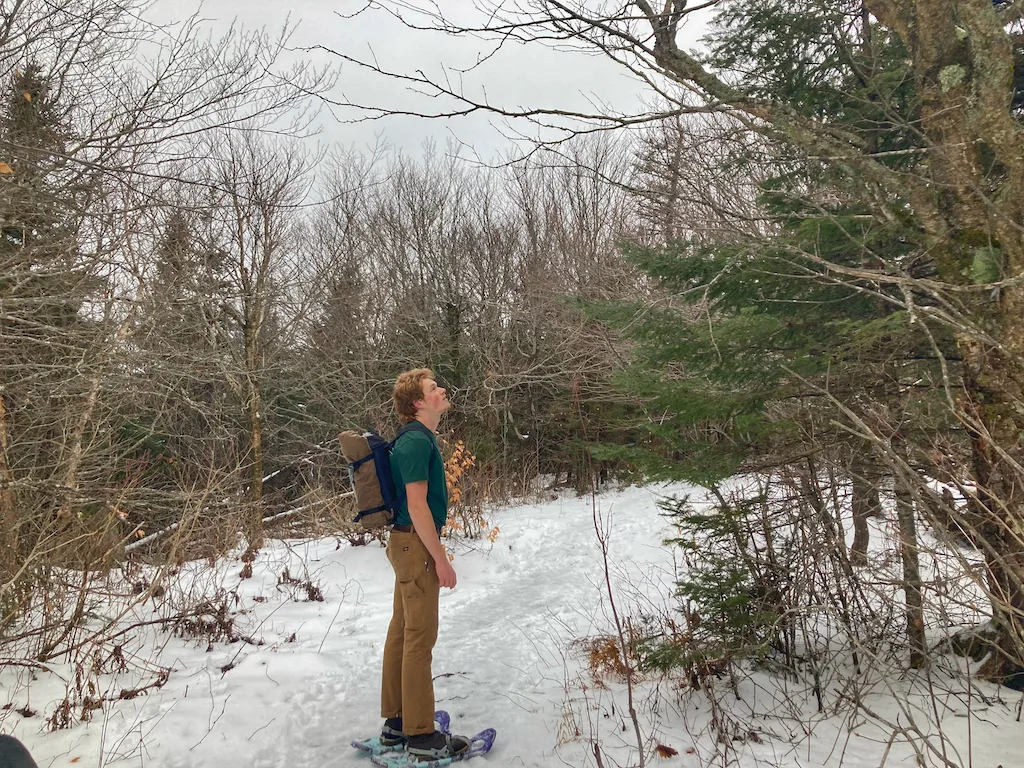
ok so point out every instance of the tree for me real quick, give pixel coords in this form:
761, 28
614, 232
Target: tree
101, 115
475, 274
46, 281
181, 337
264, 184
910, 111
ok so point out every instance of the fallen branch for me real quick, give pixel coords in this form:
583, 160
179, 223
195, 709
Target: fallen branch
269, 519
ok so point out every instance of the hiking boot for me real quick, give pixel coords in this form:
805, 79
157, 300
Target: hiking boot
391, 734
435, 746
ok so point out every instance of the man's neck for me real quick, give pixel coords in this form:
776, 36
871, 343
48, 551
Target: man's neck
429, 420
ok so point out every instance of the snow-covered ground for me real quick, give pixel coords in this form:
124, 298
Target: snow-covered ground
508, 657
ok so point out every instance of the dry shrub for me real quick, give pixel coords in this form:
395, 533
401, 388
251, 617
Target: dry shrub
211, 621
333, 511
201, 534
327, 513
91, 543
469, 487
85, 693
603, 656
300, 589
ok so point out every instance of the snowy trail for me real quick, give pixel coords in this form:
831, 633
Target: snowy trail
501, 656
501, 659
505, 659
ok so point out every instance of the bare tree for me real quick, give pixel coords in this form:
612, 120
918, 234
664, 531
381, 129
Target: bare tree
961, 63
254, 225
102, 117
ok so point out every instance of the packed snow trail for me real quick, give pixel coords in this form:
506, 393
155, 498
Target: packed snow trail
501, 657
306, 682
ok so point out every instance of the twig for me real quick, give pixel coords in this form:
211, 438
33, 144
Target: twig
602, 539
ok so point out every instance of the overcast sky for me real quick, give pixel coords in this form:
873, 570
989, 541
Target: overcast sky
518, 76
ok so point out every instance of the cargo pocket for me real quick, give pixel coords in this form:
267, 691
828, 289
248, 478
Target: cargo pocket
408, 559
411, 589
420, 604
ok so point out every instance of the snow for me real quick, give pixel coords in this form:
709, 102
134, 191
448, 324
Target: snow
508, 657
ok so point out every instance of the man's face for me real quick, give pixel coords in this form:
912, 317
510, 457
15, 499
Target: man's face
435, 399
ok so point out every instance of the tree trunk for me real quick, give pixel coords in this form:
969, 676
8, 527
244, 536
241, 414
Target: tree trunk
76, 449
994, 382
8, 508
865, 503
963, 62
911, 574
255, 411
256, 443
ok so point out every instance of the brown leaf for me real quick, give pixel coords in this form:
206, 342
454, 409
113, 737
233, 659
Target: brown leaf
5, 168
75, 759
665, 752
27, 95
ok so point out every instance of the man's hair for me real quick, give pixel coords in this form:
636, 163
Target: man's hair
409, 389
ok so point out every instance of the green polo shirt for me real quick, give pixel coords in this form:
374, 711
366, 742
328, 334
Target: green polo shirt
416, 457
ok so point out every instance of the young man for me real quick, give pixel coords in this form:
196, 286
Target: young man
421, 569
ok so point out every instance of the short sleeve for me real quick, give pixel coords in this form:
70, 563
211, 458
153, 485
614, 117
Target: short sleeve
412, 455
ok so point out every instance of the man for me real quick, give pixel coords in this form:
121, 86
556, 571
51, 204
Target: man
421, 569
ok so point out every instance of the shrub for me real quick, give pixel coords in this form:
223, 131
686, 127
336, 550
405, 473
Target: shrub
468, 492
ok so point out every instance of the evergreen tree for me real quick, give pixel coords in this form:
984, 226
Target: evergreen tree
42, 271
46, 328
180, 419
780, 345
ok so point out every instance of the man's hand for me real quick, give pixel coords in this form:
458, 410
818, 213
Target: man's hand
423, 523
445, 573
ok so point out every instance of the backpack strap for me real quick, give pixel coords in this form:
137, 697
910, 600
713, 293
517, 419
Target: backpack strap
366, 512
369, 457
391, 444
410, 427
359, 462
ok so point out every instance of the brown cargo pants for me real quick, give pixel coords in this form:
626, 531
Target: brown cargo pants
407, 685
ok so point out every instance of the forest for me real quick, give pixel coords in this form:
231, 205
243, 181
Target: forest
793, 278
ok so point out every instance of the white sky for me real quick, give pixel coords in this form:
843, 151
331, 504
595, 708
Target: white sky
532, 75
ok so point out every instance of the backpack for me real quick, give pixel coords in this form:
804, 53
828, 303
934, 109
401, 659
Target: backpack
369, 469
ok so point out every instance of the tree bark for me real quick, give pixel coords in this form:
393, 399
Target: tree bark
865, 503
8, 508
993, 384
76, 449
964, 74
911, 574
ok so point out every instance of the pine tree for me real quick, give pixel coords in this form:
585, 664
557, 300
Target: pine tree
778, 343
179, 338
46, 329
41, 269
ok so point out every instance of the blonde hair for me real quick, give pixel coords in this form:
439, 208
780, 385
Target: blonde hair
409, 389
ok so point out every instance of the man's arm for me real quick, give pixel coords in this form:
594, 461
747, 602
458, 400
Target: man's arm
423, 523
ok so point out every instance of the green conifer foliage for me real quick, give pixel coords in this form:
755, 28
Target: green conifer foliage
771, 349
49, 320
